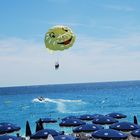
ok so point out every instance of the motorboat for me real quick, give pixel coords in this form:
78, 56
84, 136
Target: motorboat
41, 98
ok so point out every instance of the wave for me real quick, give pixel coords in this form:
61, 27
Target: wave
61, 103
25, 107
70, 101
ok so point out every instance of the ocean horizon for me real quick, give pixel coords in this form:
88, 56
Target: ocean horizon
71, 83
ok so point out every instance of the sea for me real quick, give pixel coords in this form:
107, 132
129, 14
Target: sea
19, 104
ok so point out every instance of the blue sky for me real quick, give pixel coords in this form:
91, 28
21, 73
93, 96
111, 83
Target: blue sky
107, 47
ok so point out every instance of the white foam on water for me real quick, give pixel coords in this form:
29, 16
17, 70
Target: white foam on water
25, 107
61, 106
7, 102
69, 101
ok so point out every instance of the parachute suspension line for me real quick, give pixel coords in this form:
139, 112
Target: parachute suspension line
56, 57
57, 64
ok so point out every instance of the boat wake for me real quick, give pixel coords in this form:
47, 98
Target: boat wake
61, 103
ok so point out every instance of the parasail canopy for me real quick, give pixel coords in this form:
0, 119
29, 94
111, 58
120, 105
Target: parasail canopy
59, 38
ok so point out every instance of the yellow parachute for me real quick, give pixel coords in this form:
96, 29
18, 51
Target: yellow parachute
59, 38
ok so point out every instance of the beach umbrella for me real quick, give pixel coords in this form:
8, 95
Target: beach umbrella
136, 133
47, 120
87, 128
86, 117
97, 115
64, 137
71, 122
39, 125
70, 117
135, 120
116, 115
109, 134
124, 126
7, 137
44, 134
104, 120
28, 130
8, 128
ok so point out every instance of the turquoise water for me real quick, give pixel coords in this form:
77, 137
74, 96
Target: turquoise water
19, 104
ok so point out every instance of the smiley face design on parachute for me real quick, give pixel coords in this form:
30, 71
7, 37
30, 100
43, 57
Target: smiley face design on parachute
59, 38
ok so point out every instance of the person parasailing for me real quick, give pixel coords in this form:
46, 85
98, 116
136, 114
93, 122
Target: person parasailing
56, 65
